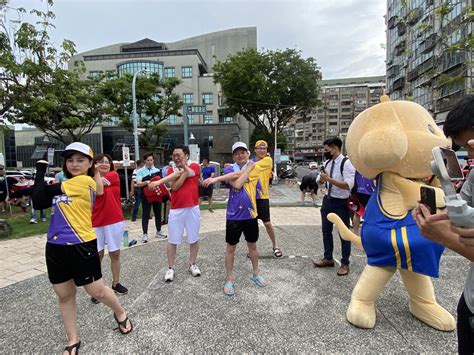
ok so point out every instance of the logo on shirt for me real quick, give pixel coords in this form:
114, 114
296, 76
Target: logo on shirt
62, 199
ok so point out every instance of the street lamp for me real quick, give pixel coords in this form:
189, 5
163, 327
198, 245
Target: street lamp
275, 175
134, 112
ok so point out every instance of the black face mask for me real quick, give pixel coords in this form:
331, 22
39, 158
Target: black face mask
328, 155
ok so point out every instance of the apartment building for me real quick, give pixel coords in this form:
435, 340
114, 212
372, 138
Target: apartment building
341, 101
422, 62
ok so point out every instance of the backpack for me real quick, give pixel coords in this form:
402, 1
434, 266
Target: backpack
354, 189
157, 194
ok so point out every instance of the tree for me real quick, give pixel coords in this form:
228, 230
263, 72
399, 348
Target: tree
35, 86
155, 99
269, 88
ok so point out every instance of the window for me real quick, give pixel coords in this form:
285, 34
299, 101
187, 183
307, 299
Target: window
94, 74
188, 98
208, 119
169, 72
133, 67
186, 72
228, 119
207, 99
172, 119
190, 119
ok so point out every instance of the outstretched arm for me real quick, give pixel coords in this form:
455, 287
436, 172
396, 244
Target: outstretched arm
175, 185
227, 177
242, 179
169, 178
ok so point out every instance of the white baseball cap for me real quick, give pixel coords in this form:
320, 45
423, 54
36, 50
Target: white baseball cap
78, 147
239, 145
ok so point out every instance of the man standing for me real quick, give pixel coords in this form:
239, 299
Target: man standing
263, 202
207, 172
338, 175
241, 211
184, 213
144, 175
459, 125
135, 191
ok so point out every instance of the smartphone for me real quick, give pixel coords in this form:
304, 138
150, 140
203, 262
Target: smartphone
428, 198
321, 169
451, 163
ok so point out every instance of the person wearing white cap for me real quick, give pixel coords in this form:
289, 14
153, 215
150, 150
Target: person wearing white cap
241, 211
72, 258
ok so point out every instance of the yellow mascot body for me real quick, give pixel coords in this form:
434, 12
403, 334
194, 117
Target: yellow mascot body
392, 141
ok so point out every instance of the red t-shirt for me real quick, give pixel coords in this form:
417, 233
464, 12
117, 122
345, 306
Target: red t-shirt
108, 208
188, 194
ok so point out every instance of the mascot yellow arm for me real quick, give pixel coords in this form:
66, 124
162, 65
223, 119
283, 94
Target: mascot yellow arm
345, 232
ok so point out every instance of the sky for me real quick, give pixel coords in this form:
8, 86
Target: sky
344, 36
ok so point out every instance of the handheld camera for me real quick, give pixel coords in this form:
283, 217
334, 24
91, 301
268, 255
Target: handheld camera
446, 167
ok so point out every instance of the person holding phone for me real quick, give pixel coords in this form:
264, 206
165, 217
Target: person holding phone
459, 126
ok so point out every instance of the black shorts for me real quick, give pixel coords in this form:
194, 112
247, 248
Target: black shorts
362, 198
234, 229
263, 209
205, 191
79, 262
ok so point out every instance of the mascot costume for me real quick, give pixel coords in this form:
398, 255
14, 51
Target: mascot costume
392, 142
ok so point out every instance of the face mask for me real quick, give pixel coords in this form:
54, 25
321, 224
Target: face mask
328, 155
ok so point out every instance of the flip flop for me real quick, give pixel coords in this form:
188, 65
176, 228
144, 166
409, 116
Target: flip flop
277, 253
258, 280
230, 289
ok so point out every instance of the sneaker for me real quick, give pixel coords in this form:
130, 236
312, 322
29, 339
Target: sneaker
33, 221
94, 301
145, 238
302, 203
120, 289
194, 270
43, 219
169, 276
134, 219
161, 235
211, 210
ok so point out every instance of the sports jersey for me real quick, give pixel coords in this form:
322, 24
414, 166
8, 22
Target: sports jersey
71, 214
188, 194
242, 203
108, 207
264, 178
396, 241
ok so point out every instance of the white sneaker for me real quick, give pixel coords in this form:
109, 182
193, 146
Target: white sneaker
194, 270
169, 276
33, 221
161, 235
145, 238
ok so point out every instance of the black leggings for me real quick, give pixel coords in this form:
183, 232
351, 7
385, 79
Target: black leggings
146, 208
465, 328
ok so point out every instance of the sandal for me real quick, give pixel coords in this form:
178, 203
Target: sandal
70, 348
230, 287
277, 253
123, 324
259, 281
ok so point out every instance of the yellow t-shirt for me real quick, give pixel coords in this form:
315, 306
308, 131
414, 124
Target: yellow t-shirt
71, 215
266, 166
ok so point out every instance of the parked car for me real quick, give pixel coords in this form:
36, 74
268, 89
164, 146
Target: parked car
313, 165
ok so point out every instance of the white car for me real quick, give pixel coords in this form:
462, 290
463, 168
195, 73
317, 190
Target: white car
313, 165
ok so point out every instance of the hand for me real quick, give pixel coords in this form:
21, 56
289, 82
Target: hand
209, 181
466, 235
436, 228
323, 177
154, 184
131, 194
250, 165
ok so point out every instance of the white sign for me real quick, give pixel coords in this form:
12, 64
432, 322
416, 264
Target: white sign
126, 156
277, 155
2, 160
51, 156
194, 153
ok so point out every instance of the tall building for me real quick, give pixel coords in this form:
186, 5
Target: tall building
422, 62
191, 60
341, 101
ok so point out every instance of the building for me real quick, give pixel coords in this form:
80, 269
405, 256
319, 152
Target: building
191, 60
341, 101
419, 65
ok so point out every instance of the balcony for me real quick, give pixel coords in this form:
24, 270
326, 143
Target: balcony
452, 60
393, 71
402, 29
414, 16
399, 48
412, 75
398, 84
425, 66
391, 22
428, 44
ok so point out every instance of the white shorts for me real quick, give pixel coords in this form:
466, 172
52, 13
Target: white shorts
110, 235
179, 219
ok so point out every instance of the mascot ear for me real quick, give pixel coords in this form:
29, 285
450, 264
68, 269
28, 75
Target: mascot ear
386, 143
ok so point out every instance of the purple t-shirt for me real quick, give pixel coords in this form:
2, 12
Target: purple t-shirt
364, 186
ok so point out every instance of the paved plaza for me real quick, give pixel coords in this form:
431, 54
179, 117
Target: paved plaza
301, 310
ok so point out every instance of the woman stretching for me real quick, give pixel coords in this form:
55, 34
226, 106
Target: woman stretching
72, 259
107, 219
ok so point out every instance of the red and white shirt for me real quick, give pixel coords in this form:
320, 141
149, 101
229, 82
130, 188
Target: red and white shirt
108, 208
188, 194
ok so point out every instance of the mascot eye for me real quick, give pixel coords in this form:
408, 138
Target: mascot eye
431, 129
